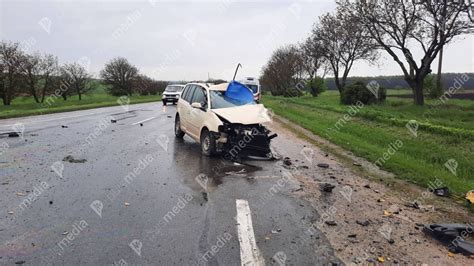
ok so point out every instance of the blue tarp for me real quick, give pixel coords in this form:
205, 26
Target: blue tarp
239, 93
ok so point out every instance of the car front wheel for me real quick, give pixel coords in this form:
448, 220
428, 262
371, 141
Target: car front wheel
177, 128
208, 143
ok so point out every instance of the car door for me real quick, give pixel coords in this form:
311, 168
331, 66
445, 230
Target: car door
184, 107
197, 116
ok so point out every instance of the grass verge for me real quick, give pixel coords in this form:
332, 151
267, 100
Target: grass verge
25, 106
417, 159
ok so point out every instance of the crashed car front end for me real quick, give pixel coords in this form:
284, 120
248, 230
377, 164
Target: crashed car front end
239, 140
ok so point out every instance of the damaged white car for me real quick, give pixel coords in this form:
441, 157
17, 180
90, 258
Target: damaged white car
224, 118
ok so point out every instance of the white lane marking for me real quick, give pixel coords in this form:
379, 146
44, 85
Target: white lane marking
144, 120
249, 252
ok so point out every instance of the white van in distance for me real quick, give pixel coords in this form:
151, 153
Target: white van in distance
254, 85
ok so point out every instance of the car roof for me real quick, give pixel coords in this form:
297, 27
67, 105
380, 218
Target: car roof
208, 86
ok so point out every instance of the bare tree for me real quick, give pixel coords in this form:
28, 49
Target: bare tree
77, 78
121, 75
312, 60
399, 27
49, 69
283, 71
344, 41
37, 71
11, 57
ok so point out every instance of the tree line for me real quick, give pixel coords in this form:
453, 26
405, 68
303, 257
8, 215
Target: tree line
40, 75
362, 30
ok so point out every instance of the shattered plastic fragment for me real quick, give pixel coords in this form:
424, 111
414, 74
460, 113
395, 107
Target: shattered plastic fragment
470, 196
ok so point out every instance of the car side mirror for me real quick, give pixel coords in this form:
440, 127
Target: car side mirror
196, 105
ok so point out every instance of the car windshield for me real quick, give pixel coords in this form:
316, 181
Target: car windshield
173, 88
219, 100
254, 88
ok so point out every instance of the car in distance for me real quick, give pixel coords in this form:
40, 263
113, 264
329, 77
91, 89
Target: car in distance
172, 93
254, 85
222, 122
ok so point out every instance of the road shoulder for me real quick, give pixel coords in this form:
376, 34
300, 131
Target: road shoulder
369, 207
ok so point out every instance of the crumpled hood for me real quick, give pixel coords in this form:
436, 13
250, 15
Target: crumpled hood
245, 114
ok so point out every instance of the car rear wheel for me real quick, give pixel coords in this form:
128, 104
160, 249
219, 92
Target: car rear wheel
208, 143
177, 128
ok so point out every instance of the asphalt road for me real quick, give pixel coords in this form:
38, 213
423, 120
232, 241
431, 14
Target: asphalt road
78, 189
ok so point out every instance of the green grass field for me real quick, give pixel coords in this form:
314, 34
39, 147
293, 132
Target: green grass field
25, 106
445, 132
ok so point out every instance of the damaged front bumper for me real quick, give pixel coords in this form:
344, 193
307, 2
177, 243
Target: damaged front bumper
238, 140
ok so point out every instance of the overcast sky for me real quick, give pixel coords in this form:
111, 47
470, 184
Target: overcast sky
181, 40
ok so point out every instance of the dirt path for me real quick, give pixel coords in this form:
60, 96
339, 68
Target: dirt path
365, 217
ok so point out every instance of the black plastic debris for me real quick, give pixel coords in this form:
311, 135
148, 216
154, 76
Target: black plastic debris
13, 135
441, 192
326, 187
113, 121
63, 126
453, 235
331, 223
323, 165
71, 159
363, 223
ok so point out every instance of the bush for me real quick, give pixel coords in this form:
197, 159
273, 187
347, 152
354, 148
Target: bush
316, 86
358, 91
429, 85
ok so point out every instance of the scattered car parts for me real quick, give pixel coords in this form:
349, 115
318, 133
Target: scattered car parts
453, 235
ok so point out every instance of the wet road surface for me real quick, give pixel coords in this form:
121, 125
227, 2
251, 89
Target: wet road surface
79, 189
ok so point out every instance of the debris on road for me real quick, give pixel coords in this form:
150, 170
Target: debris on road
20, 194
356, 164
287, 161
10, 212
442, 192
326, 187
126, 204
71, 159
331, 223
63, 126
453, 235
65, 232
13, 135
363, 223
470, 196
242, 172
20, 262
323, 165
113, 121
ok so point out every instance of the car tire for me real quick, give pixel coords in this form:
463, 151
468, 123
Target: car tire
208, 143
164, 102
177, 128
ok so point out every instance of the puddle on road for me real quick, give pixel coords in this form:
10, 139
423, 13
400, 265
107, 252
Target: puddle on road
194, 165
